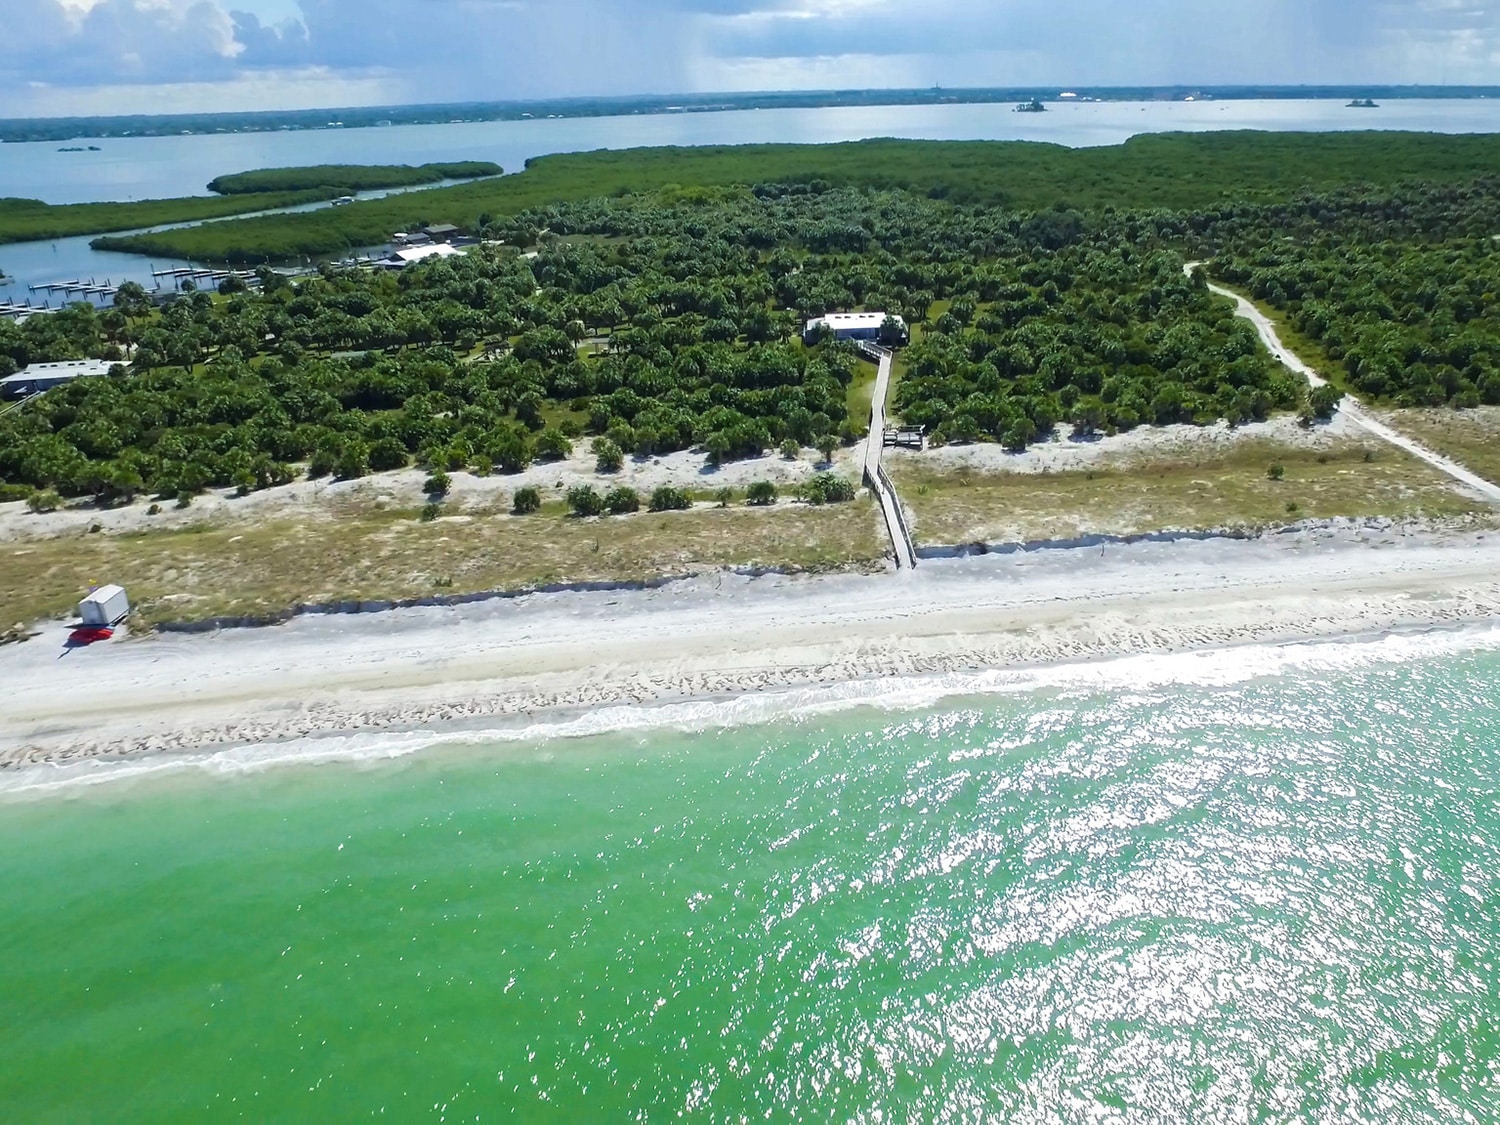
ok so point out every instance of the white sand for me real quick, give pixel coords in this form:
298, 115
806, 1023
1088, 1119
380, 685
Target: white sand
403, 489
423, 669
1065, 454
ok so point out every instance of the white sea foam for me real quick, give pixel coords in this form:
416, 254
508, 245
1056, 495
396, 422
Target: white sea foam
1214, 668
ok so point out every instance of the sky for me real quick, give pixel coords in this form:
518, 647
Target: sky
165, 56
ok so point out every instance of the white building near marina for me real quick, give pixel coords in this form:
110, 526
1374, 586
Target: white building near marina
44, 376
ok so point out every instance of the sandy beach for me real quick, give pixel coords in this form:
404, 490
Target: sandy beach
722, 635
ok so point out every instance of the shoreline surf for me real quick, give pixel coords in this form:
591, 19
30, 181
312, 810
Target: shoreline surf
723, 650
1230, 665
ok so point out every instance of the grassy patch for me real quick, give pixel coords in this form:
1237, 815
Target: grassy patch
862, 392
1220, 489
1470, 437
370, 554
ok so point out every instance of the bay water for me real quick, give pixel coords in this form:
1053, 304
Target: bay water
158, 167
1253, 885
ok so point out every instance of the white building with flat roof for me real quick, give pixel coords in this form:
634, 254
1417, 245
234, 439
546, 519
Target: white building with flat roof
44, 376
420, 253
854, 326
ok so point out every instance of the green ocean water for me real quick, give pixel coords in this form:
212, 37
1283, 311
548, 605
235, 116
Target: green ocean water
1247, 887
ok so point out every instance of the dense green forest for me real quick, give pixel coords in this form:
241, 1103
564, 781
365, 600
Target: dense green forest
28, 220
1402, 297
688, 303
350, 177
1160, 170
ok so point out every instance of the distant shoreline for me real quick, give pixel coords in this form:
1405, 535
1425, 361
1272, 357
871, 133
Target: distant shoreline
54, 129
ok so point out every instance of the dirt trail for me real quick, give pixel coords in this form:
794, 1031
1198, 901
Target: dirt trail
1351, 408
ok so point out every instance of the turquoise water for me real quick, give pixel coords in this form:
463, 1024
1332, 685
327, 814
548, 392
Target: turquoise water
1249, 886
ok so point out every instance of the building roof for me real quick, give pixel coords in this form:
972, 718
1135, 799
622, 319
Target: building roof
65, 369
441, 228
417, 253
851, 320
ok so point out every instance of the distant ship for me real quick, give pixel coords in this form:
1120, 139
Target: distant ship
1033, 106
1362, 103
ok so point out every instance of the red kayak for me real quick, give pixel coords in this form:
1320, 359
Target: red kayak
88, 634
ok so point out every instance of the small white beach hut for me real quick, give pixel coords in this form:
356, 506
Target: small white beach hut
106, 606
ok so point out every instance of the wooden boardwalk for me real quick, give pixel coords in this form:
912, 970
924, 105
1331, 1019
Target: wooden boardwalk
880, 484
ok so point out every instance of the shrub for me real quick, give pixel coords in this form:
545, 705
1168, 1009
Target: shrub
669, 499
1276, 471
608, 456
526, 501
44, 500
621, 499
511, 450
790, 449
825, 488
387, 454
583, 500
14, 492
184, 499
1324, 401
431, 511
761, 493
322, 463
553, 445
437, 484
725, 497
827, 444
483, 466
354, 460
154, 510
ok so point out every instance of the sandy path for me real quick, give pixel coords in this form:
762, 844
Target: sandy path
721, 636
1351, 407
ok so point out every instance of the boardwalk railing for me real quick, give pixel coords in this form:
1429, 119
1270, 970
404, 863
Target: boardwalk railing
890, 488
875, 477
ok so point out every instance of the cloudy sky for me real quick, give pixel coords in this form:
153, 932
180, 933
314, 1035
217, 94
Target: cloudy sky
100, 56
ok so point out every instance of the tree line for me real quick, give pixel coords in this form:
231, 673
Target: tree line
671, 320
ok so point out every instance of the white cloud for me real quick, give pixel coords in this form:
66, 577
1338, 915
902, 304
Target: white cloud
457, 50
311, 88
